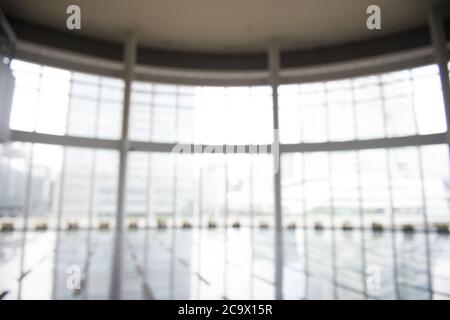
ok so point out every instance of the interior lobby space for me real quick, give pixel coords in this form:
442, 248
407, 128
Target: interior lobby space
198, 150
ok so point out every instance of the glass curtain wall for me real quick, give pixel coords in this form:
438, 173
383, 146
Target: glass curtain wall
334, 201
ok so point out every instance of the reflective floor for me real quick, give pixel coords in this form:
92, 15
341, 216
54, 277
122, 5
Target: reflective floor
232, 264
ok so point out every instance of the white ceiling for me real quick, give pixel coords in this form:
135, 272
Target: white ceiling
225, 25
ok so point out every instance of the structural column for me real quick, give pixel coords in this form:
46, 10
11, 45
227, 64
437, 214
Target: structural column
129, 63
439, 42
274, 72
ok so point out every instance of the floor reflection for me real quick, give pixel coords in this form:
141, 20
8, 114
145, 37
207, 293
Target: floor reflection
228, 264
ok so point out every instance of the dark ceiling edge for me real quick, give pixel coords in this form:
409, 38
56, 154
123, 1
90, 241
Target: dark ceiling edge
415, 38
